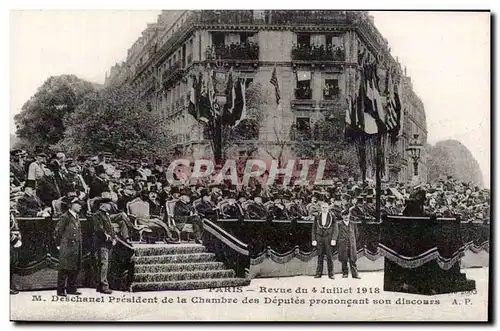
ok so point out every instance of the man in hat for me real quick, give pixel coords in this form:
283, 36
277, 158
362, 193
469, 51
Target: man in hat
206, 208
36, 170
17, 166
104, 239
346, 244
99, 183
324, 235
68, 238
73, 181
184, 212
389, 208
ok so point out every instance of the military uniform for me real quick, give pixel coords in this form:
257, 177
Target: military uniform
103, 236
68, 236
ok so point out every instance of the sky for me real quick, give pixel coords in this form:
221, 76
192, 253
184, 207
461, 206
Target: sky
447, 55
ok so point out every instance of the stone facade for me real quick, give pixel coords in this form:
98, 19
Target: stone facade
161, 62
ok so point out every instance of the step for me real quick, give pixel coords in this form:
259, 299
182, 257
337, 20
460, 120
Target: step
189, 284
176, 267
183, 275
175, 258
167, 249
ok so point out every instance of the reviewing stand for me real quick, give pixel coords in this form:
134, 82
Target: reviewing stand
422, 255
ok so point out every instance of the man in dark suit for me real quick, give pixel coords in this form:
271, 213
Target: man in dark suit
99, 183
346, 244
104, 239
68, 238
184, 213
15, 243
324, 236
205, 207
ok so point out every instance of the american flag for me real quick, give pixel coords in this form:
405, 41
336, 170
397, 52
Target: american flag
393, 117
274, 81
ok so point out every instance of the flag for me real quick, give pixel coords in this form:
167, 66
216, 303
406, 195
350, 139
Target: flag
230, 93
239, 104
393, 116
359, 117
244, 109
373, 100
274, 81
193, 99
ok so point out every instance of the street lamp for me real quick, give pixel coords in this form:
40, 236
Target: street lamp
415, 149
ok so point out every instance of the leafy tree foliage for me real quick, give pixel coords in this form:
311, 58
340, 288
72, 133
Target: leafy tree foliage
41, 120
116, 120
452, 158
326, 140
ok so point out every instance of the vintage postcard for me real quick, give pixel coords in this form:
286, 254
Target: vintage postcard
249, 165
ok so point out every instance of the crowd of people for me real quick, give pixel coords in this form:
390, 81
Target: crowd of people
129, 198
40, 184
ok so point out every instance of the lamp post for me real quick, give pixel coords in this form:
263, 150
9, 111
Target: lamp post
414, 150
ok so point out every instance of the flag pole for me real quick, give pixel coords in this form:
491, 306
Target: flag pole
378, 177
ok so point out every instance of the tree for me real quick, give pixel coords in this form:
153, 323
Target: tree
452, 158
326, 140
41, 120
116, 120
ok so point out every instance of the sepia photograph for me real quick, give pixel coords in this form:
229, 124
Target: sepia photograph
250, 165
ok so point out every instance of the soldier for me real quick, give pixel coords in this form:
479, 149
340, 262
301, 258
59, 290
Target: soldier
15, 243
68, 238
104, 238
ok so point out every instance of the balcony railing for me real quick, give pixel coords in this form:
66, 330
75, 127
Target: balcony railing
317, 53
303, 93
240, 51
226, 16
307, 16
171, 73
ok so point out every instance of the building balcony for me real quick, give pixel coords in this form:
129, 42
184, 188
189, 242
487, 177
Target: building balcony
318, 53
247, 51
171, 74
226, 17
303, 93
315, 17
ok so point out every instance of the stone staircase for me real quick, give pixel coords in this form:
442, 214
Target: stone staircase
164, 267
